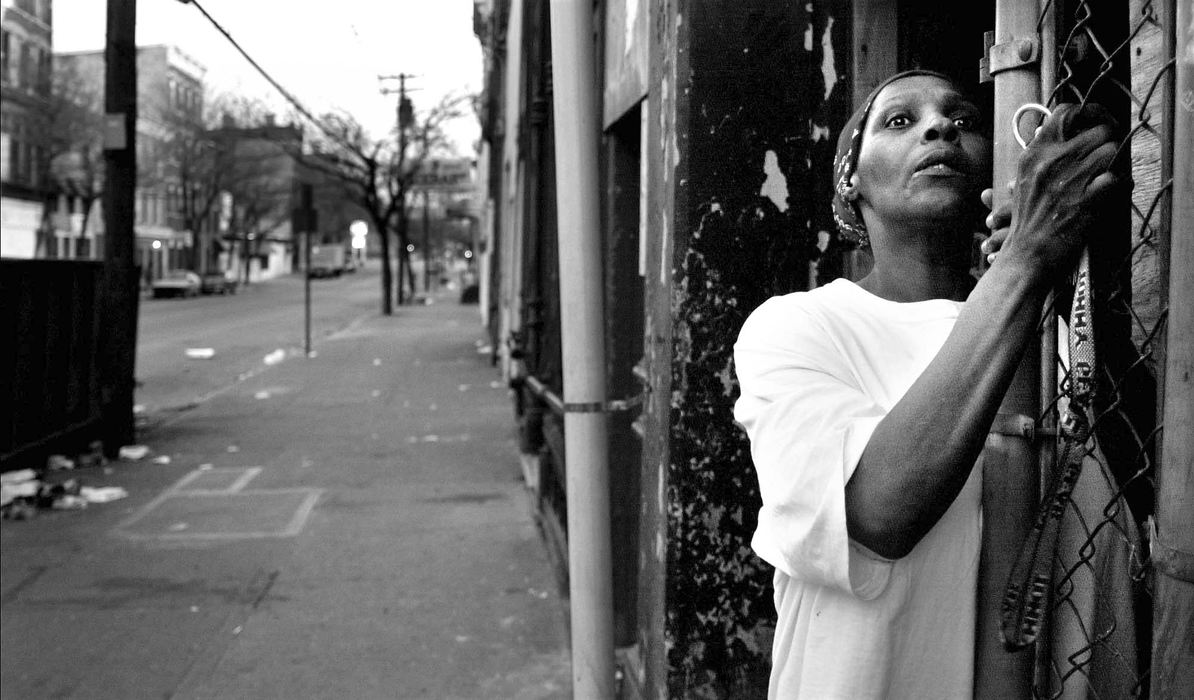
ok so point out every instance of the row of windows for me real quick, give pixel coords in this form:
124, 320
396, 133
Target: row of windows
24, 64
185, 98
23, 162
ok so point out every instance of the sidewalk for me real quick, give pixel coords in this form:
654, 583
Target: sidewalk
348, 526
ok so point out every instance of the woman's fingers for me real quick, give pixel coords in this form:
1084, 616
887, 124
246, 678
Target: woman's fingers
987, 197
1101, 185
1099, 160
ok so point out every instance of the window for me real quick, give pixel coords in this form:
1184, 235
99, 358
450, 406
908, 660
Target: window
14, 160
5, 44
23, 66
43, 72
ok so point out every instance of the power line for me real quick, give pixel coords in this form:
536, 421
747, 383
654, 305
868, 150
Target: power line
277, 86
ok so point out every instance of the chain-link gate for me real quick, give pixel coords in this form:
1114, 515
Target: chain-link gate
1097, 636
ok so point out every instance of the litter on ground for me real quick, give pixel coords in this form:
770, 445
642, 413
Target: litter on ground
56, 462
275, 357
102, 494
133, 452
201, 353
161, 459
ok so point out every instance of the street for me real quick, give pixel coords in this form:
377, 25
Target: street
352, 525
241, 329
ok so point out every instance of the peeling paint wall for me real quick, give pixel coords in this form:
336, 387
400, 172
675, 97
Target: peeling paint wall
744, 98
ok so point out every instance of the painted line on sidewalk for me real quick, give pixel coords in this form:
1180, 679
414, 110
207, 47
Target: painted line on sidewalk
254, 501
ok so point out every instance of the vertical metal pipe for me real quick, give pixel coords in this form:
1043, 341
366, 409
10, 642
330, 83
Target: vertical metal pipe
1173, 540
1047, 415
307, 220
1009, 462
581, 330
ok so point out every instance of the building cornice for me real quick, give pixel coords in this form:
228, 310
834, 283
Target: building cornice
33, 20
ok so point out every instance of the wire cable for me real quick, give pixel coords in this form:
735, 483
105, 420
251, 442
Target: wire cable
277, 86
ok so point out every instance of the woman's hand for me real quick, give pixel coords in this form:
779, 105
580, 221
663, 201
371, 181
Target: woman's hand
1061, 178
999, 222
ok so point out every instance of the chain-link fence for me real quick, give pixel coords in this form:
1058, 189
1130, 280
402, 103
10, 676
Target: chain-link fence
1098, 635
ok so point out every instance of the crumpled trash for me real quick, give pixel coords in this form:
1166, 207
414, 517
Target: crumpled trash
60, 496
19, 509
201, 353
275, 357
17, 486
58, 462
161, 459
18, 476
69, 502
133, 452
94, 457
102, 494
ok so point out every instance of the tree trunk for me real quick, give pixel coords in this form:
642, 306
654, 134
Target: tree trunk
83, 229
403, 255
244, 251
387, 303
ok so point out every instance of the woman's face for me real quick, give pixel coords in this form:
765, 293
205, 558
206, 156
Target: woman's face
923, 156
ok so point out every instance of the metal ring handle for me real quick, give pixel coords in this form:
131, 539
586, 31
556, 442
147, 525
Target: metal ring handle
1029, 107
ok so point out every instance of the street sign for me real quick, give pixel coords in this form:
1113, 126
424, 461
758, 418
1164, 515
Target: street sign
445, 175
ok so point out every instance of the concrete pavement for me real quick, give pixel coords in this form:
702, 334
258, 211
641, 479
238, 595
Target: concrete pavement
352, 525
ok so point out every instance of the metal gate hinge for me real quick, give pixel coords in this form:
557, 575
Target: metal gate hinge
1014, 424
1007, 55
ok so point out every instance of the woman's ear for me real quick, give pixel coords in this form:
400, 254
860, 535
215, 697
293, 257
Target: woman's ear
850, 191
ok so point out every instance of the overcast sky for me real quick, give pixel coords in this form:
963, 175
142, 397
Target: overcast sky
326, 53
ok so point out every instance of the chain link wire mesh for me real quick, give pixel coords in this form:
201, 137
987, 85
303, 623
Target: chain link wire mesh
1098, 642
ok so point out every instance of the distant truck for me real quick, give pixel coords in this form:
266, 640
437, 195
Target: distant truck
326, 261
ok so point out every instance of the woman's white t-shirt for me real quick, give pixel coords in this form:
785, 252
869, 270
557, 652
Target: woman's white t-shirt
818, 371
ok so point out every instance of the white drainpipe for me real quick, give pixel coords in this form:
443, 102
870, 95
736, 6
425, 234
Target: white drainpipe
581, 328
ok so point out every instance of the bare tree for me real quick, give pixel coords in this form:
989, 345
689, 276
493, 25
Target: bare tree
72, 151
379, 173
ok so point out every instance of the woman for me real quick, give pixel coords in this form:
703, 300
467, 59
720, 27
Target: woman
867, 404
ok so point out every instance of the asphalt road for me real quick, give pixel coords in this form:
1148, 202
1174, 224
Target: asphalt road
241, 330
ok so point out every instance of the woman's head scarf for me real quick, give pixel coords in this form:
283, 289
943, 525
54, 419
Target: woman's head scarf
849, 143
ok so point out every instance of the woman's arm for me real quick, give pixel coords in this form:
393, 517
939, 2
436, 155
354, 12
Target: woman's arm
922, 452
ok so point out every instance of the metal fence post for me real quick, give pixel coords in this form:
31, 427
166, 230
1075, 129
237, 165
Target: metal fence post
1009, 462
1173, 539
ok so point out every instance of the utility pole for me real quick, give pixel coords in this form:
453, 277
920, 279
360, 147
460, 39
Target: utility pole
406, 117
121, 282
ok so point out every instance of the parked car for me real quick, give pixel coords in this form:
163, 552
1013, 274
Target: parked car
217, 283
326, 261
177, 283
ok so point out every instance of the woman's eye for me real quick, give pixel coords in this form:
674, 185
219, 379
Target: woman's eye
965, 123
897, 121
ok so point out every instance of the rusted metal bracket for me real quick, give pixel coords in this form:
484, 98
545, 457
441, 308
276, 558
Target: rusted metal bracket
1008, 55
1018, 425
1174, 563
559, 406
611, 406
